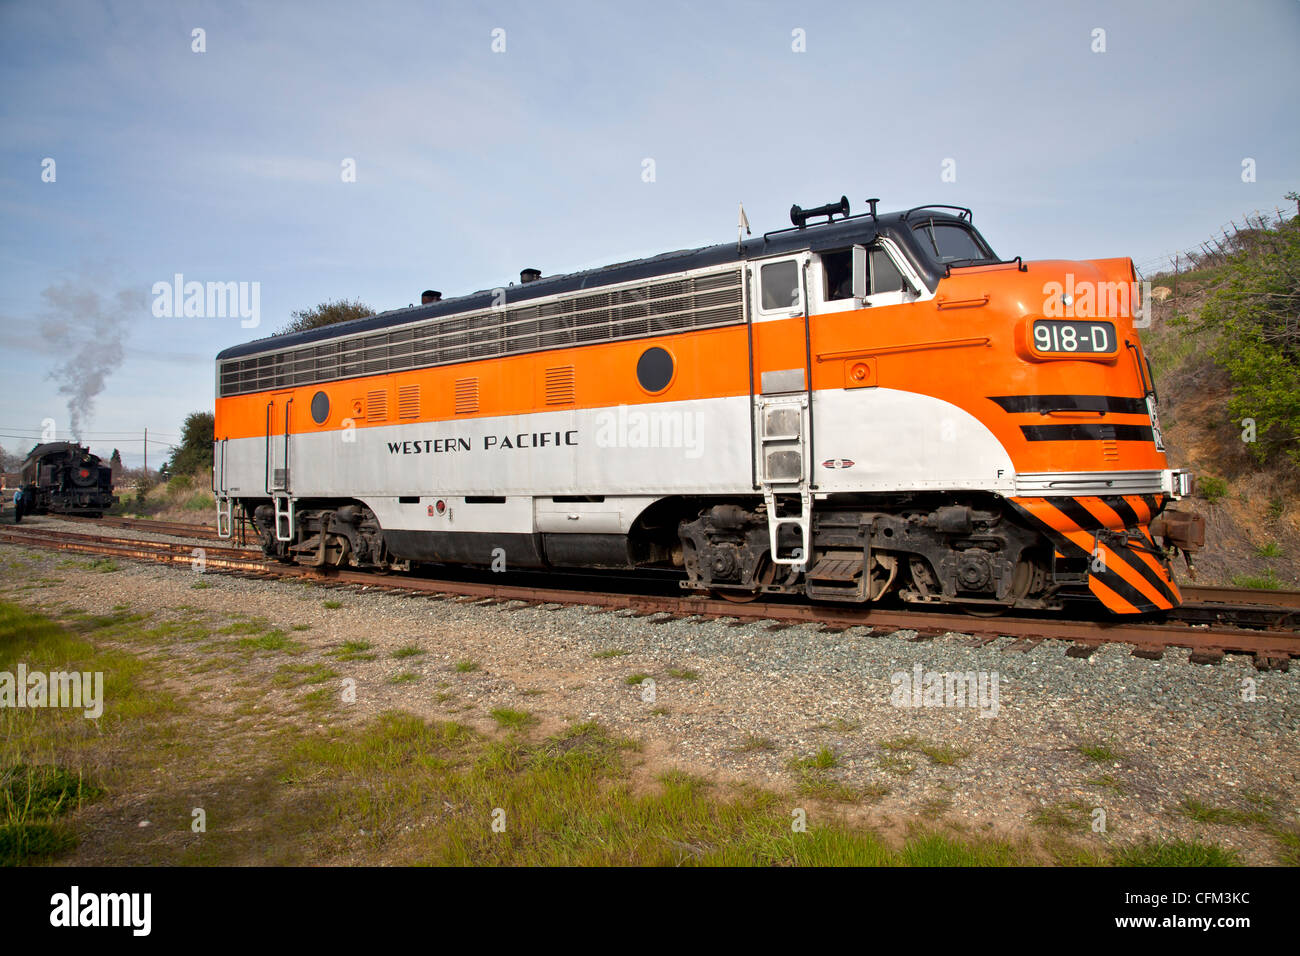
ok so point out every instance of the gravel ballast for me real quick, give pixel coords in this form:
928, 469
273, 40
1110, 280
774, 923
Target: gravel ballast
1130, 737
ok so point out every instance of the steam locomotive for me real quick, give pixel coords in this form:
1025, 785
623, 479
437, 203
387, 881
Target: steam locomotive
65, 478
872, 406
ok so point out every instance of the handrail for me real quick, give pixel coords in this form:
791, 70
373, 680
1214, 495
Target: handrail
269, 405
913, 347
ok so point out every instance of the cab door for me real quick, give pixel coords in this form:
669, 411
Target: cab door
278, 430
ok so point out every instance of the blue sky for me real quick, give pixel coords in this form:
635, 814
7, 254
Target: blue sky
471, 164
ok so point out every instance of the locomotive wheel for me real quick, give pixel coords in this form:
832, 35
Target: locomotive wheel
986, 610
1019, 588
765, 576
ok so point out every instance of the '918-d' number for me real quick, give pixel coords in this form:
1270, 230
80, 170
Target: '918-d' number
1055, 335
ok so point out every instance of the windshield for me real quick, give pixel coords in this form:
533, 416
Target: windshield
951, 242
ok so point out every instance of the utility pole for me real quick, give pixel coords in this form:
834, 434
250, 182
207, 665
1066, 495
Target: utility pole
146, 453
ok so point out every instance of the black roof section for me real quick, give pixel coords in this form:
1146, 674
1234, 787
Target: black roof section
56, 448
840, 233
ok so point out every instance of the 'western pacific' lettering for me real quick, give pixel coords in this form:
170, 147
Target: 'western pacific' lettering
521, 440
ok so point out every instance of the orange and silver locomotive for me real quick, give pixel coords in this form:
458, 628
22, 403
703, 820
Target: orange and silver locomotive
872, 406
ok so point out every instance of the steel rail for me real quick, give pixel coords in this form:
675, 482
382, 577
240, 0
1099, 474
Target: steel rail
1207, 643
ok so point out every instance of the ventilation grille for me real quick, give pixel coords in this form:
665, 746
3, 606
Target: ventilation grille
466, 395
377, 406
408, 401
560, 385
630, 312
1109, 450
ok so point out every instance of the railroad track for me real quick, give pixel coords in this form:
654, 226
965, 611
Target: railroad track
181, 529
1209, 640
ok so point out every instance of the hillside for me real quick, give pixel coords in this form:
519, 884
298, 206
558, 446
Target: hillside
1252, 508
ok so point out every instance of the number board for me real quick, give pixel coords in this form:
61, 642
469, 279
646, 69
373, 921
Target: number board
1065, 336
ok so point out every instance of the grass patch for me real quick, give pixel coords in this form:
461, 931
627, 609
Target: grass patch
840, 725
823, 759
1203, 812
932, 808
1071, 815
296, 675
467, 666
273, 640
1270, 550
1268, 581
896, 764
100, 565
682, 673
753, 743
405, 677
49, 756
354, 651
610, 652
637, 678
201, 585
1174, 853
410, 650
1099, 753
1210, 488
508, 717
331, 605
894, 761
1109, 782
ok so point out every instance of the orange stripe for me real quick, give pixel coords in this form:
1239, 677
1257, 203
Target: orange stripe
1109, 598
1111, 519
1116, 565
849, 349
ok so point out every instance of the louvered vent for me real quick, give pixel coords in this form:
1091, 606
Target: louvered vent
560, 385
377, 405
466, 395
612, 314
408, 401
1109, 451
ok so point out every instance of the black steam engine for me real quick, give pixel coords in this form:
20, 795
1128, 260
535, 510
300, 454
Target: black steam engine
65, 478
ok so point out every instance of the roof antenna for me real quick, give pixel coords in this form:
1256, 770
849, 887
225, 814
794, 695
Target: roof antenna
872, 203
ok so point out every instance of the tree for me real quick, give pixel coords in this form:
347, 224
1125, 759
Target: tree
1256, 315
327, 313
9, 461
194, 454
115, 463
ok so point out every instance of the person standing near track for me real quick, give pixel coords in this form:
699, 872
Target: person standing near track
18, 505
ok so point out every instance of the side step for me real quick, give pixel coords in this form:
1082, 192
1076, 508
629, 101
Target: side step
283, 518
838, 576
224, 522
802, 522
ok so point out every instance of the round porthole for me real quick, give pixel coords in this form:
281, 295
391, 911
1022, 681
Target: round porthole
654, 370
320, 408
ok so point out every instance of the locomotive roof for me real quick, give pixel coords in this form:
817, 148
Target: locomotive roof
56, 448
863, 228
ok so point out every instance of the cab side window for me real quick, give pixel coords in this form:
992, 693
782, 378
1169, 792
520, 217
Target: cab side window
882, 274
838, 270
885, 276
780, 281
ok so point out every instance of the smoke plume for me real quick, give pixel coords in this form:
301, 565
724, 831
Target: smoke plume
88, 330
